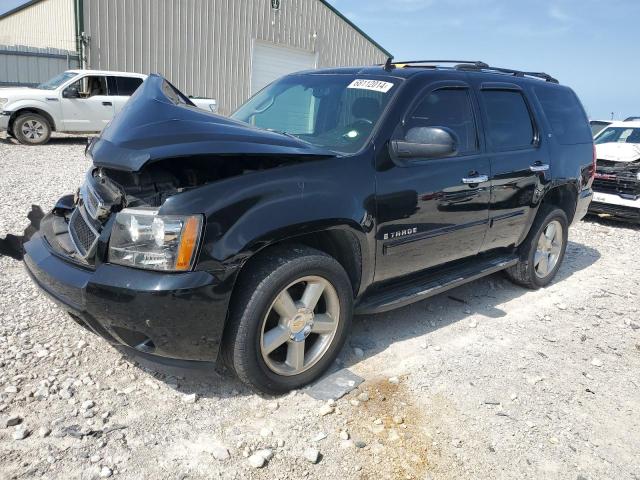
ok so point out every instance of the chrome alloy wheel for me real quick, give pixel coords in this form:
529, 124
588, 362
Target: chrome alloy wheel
297, 333
33, 129
548, 249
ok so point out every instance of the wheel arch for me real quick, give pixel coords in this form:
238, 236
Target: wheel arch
563, 196
35, 110
339, 243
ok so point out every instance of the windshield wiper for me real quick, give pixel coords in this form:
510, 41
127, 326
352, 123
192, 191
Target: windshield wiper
282, 132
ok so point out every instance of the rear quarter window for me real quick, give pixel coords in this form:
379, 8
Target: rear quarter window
565, 114
128, 85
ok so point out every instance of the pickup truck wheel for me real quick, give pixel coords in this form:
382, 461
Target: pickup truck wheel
289, 320
31, 129
543, 250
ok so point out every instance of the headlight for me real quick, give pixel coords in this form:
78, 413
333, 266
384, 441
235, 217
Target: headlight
141, 238
3, 102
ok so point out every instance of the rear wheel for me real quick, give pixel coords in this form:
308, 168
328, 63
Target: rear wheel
289, 319
31, 129
543, 250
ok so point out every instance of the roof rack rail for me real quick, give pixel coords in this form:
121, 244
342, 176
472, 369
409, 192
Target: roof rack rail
470, 65
475, 63
510, 71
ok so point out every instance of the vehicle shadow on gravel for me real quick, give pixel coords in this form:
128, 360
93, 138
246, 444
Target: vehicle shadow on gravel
204, 379
375, 333
62, 140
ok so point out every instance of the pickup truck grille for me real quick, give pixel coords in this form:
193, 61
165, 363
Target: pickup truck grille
83, 235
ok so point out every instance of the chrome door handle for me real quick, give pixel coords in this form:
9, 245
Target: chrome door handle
539, 167
476, 179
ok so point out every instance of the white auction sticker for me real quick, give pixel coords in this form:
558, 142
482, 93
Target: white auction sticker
375, 85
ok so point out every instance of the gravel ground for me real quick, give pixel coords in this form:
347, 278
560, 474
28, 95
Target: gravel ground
485, 381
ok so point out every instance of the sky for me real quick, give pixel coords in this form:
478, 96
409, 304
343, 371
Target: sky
590, 45
6, 5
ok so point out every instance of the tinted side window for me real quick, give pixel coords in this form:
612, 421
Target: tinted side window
565, 114
450, 108
509, 124
127, 85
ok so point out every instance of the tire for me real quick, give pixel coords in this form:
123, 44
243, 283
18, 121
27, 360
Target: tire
529, 271
31, 129
255, 309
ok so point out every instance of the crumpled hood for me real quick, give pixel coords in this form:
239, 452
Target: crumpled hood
618, 152
153, 125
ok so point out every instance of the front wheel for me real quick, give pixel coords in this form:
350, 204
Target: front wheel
289, 319
31, 129
543, 250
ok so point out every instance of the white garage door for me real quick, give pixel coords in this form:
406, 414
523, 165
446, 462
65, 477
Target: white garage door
270, 62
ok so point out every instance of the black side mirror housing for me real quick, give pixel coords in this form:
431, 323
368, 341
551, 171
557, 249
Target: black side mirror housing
424, 143
70, 92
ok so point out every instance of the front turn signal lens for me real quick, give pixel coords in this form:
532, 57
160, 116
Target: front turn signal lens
188, 243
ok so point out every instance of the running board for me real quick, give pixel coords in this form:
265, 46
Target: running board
429, 284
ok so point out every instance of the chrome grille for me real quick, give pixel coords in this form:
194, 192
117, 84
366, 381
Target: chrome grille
91, 202
83, 235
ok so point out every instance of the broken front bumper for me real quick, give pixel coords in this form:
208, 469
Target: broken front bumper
178, 316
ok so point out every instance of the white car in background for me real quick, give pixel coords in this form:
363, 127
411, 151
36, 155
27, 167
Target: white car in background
616, 187
75, 101
598, 125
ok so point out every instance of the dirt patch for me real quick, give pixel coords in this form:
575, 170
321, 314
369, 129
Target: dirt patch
392, 427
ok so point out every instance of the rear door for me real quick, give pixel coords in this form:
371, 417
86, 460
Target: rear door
519, 161
433, 211
93, 110
120, 89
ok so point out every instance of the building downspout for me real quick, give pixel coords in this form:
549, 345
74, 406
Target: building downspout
78, 10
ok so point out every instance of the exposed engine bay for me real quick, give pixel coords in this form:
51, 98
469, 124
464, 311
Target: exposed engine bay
160, 180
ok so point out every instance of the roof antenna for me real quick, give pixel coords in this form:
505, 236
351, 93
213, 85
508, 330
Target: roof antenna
388, 65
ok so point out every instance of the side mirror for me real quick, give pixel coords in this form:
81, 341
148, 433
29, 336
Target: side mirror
425, 142
70, 92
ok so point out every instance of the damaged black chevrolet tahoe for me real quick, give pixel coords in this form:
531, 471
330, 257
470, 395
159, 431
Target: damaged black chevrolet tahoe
254, 239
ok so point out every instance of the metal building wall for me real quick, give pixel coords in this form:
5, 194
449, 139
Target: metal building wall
204, 46
46, 24
29, 66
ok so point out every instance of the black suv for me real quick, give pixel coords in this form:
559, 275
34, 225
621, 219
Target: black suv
255, 238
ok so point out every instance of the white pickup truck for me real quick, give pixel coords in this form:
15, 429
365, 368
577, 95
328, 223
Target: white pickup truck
75, 101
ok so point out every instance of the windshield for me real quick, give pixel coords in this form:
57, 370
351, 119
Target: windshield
56, 81
618, 135
337, 112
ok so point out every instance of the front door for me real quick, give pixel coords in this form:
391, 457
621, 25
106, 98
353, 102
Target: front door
433, 211
92, 110
518, 162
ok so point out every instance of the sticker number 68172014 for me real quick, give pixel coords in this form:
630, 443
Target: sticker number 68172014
375, 85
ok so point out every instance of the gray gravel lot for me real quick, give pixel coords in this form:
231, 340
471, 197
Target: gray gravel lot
486, 381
